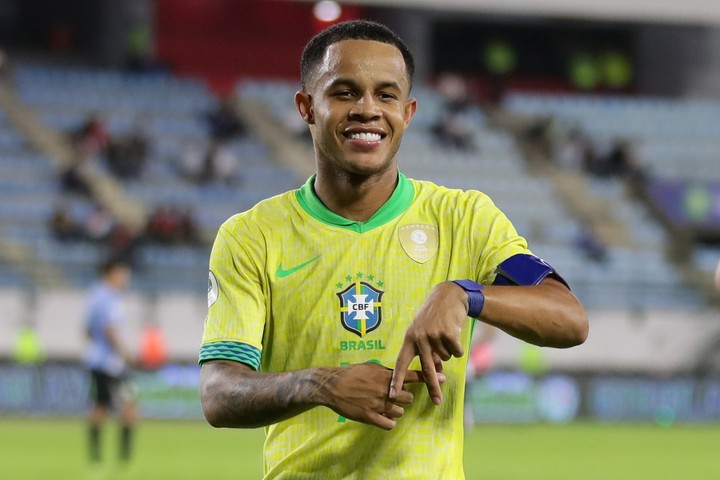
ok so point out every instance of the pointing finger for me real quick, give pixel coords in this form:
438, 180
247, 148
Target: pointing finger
431, 378
404, 358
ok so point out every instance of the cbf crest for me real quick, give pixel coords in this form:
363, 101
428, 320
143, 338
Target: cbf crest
361, 307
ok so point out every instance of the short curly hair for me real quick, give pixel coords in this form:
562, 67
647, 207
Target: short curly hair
314, 51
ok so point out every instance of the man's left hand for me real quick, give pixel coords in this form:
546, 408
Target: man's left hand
435, 336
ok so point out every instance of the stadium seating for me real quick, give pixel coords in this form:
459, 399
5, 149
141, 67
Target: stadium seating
27, 191
675, 139
171, 112
172, 108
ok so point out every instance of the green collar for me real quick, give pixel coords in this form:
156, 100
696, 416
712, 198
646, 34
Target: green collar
396, 204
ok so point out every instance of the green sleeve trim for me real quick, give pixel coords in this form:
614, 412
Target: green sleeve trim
235, 351
400, 200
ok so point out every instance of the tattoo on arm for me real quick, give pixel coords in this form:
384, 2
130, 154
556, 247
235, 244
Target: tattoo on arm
236, 396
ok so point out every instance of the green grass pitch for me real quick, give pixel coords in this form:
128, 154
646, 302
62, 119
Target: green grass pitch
35, 449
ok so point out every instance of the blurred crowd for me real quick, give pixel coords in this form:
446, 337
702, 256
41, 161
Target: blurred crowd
575, 149
80, 216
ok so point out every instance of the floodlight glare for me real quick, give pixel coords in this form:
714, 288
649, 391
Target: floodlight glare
327, 11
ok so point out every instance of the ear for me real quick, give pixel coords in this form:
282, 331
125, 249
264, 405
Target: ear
410, 109
303, 103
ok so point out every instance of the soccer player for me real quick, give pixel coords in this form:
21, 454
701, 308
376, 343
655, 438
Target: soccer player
108, 359
338, 312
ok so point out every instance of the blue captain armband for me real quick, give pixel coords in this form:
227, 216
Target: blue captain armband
524, 269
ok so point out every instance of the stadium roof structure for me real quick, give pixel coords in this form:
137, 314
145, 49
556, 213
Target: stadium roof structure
693, 12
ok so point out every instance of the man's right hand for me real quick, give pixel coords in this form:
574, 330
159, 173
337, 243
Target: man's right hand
234, 395
360, 392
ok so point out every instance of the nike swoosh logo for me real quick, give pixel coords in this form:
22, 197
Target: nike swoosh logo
280, 272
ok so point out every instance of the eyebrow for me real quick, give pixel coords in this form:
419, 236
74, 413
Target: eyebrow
352, 83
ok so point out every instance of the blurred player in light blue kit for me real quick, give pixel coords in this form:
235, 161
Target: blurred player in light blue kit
108, 359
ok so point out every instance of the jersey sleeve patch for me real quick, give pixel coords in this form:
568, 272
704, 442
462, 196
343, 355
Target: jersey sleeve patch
235, 351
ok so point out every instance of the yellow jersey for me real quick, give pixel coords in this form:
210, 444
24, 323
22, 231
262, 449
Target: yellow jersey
294, 286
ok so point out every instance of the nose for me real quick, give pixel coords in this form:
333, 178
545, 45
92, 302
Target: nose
366, 107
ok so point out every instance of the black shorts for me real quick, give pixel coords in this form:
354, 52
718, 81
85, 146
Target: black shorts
107, 390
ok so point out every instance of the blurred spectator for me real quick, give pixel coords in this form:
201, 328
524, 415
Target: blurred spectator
191, 161
63, 225
591, 246
584, 71
536, 135
574, 151
594, 160
217, 164
222, 164
71, 177
188, 228
98, 225
71, 181
139, 55
92, 138
500, 62
224, 122
122, 244
617, 69
80, 220
164, 226
89, 141
622, 161
455, 127
617, 161
172, 226
126, 155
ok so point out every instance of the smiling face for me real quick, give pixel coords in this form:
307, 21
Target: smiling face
357, 106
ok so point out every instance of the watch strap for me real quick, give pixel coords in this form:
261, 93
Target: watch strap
476, 298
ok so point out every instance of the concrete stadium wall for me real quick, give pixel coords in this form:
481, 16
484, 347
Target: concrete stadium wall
58, 319
662, 342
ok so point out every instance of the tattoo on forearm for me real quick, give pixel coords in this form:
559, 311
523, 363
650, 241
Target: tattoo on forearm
258, 399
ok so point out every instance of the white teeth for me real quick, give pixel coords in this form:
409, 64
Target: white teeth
366, 137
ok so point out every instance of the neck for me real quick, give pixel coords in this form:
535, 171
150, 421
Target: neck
355, 197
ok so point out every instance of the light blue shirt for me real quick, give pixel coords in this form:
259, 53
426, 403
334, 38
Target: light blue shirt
104, 310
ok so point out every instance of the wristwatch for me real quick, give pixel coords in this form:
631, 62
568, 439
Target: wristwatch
476, 299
